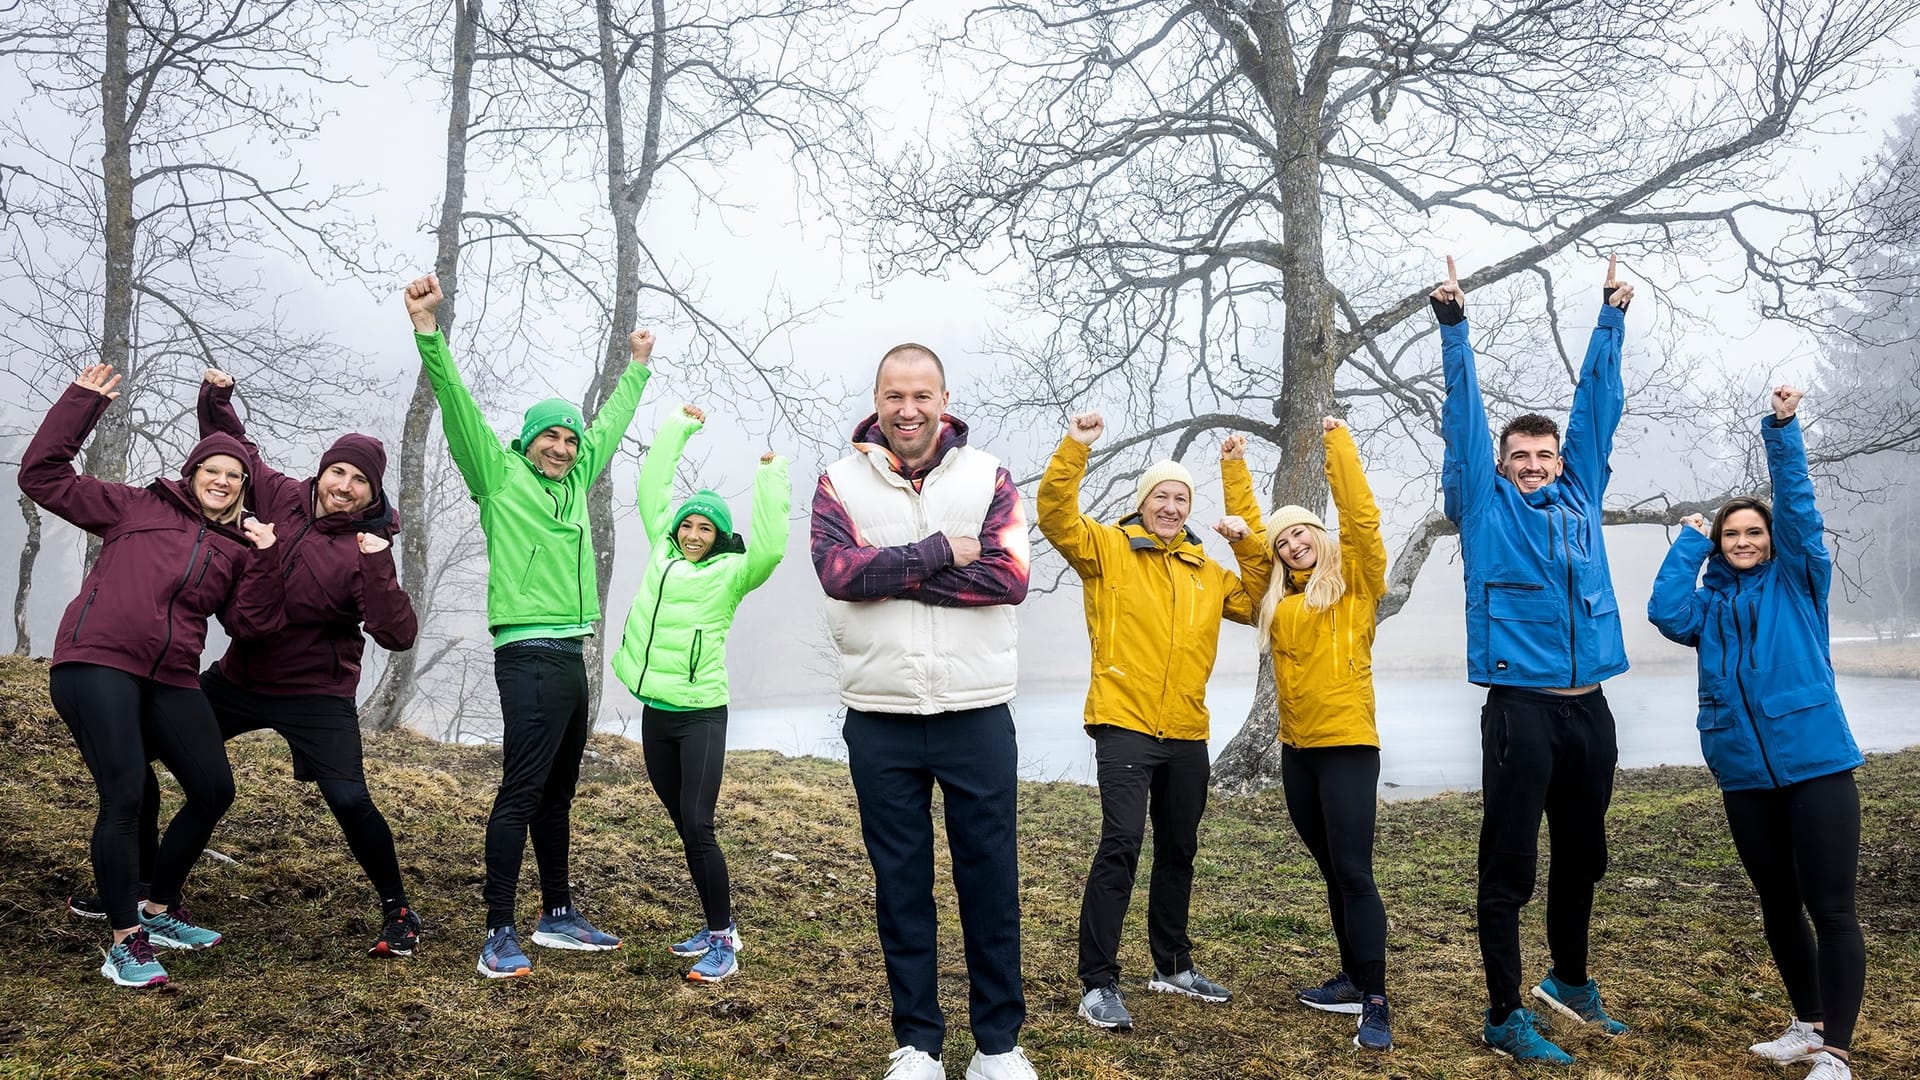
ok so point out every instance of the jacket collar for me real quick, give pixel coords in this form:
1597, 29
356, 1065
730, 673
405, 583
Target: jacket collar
868, 439
1185, 547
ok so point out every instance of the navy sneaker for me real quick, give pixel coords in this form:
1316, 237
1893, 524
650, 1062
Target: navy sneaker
86, 906
1519, 1038
1376, 1032
1580, 1003
501, 957
566, 928
719, 960
696, 946
132, 963
399, 937
1336, 995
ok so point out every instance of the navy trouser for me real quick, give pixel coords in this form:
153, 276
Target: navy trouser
1541, 752
895, 760
543, 713
1143, 777
1801, 847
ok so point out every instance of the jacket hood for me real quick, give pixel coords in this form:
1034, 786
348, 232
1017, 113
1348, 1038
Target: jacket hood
180, 489
1187, 546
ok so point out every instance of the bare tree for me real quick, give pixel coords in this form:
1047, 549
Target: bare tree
1218, 201
29, 551
132, 228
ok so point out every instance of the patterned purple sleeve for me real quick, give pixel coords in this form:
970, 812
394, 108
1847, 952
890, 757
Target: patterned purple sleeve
851, 569
999, 576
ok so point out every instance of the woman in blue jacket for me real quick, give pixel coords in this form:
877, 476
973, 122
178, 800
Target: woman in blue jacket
1773, 733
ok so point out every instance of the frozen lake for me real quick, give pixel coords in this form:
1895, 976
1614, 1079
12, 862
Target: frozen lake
1429, 727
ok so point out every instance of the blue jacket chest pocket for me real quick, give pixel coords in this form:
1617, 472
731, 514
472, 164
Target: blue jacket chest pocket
1520, 617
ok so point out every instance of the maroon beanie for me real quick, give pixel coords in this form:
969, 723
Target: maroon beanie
363, 452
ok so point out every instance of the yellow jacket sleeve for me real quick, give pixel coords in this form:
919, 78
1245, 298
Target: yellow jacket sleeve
1075, 535
1363, 554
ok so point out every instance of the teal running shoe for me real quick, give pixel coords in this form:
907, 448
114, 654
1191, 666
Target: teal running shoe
1520, 1039
1580, 1003
174, 929
132, 963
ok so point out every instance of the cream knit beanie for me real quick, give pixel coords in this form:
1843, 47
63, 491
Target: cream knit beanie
1159, 473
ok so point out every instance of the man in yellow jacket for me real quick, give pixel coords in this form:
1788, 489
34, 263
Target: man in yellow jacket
1154, 603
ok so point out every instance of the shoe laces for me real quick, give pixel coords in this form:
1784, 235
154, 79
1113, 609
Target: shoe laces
140, 947
905, 1061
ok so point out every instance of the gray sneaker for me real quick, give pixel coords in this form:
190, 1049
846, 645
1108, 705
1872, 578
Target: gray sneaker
1101, 1007
1191, 983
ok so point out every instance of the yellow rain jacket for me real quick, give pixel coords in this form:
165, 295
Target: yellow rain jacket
1153, 608
1322, 660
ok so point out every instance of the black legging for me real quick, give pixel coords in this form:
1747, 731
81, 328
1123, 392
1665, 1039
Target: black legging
685, 752
119, 721
1331, 798
1801, 847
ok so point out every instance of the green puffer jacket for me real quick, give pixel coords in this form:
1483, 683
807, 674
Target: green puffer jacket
674, 649
540, 569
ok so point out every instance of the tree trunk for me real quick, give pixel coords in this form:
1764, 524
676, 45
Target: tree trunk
22, 641
386, 707
112, 440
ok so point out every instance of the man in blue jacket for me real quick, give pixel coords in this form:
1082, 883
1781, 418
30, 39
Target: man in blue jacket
1543, 631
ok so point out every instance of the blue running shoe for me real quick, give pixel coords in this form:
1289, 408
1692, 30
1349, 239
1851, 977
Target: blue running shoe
719, 961
132, 963
501, 957
1336, 995
1519, 1039
1580, 1003
565, 928
696, 945
174, 929
1376, 1032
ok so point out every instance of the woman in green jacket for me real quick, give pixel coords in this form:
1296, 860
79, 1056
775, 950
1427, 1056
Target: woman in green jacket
673, 657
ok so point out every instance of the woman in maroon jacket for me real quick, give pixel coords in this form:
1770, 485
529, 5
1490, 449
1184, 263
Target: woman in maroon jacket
172, 553
337, 571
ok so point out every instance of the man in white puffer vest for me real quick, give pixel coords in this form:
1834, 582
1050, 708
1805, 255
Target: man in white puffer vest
921, 547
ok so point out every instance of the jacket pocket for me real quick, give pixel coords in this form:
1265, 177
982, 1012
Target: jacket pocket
1778, 701
82, 620
693, 658
1603, 620
1517, 614
1713, 715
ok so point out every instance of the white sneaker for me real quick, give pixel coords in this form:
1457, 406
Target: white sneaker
1012, 1065
1800, 1042
912, 1064
1828, 1067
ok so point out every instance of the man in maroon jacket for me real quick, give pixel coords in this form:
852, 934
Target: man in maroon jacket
336, 574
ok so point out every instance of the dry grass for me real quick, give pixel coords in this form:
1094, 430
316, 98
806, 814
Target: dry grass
1879, 659
1677, 938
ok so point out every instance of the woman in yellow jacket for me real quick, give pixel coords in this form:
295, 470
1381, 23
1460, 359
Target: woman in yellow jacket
1316, 612
1154, 603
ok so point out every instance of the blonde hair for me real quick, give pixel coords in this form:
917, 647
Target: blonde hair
1325, 584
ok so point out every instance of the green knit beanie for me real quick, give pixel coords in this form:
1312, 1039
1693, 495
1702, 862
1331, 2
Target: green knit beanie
551, 413
708, 504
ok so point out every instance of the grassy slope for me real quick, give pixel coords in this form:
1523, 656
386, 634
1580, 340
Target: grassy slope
1677, 937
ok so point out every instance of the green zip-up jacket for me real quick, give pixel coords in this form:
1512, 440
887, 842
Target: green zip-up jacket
540, 570
674, 648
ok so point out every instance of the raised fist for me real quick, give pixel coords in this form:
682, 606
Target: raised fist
1450, 291
1233, 448
767, 458
1786, 400
100, 379
372, 544
423, 295
1086, 428
1233, 527
696, 412
217, 377
640, 342
1329, 423
1695, 521
259, 532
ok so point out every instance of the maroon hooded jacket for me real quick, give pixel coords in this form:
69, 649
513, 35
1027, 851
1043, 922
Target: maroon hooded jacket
330, 588
163, 566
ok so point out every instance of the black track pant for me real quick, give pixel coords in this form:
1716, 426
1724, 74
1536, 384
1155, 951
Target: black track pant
543, 710
1548, 753
120, 721
1801, 847
685, 752
1331, 798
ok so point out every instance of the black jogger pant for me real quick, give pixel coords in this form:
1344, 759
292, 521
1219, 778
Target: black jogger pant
120, 721
1331, 797
323, 735
1142, 777
685, 753
1801, 847
543, 710
1541, 752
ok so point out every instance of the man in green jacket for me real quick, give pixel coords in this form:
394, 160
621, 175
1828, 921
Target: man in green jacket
541, 605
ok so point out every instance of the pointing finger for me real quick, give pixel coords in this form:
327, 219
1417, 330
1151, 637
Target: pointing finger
1452, 274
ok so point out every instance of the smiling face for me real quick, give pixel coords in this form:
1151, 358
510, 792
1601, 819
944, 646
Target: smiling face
696, 536
1530, 461
1296, 547
341, 489
554, 451
217, 483
1165, 509
1745, 540
909, 396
